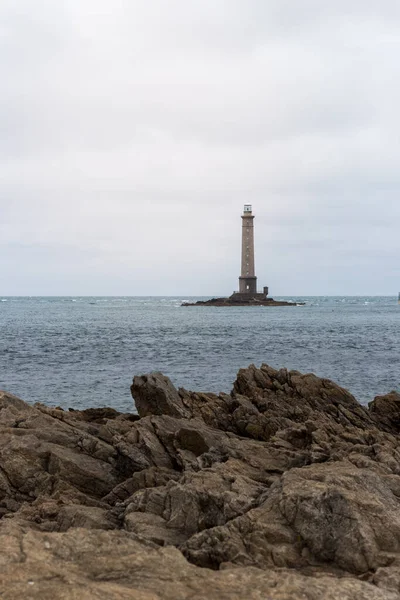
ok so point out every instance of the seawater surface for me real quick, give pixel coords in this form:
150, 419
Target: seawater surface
82, 352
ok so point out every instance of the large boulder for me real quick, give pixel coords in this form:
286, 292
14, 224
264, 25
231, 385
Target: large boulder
154, 394
386, 411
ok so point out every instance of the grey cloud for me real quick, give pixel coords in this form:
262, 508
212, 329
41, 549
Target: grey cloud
132, 132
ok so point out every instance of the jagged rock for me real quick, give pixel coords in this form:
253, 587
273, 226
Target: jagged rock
344, 515
386, 411
285, 488
154, 394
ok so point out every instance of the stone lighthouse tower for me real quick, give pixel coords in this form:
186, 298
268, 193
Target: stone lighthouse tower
247, 279
247, 294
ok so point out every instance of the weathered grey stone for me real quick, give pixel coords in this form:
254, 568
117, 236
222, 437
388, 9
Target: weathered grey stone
386, 411
154, 394
117, 565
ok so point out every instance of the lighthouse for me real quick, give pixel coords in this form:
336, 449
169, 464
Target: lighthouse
247, 294
248, 279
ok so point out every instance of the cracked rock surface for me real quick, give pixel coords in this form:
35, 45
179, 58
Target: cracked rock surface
286, 488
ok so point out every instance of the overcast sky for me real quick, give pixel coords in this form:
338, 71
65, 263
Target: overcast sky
133, 131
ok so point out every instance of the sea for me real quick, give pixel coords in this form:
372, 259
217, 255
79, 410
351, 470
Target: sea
82, 352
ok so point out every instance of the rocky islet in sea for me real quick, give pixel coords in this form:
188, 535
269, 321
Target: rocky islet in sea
241, 300
286, 488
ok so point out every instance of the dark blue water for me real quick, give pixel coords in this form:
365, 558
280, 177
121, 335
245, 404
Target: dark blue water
83, 352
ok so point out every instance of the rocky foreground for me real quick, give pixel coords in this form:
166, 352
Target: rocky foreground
285, 489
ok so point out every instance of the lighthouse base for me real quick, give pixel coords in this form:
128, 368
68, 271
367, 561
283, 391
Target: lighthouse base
243, 297
248, 285
250, 296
